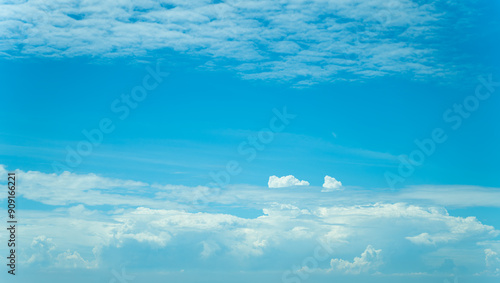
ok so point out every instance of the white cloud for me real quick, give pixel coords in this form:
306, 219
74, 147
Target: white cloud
453, 195
492, 263
90, 189
41, 247
143, 218
285, 181
227, 236
369, 260
70, 259
43, 252
209, 248
331, 184
309, 41
458, 228
426, 239
491, 258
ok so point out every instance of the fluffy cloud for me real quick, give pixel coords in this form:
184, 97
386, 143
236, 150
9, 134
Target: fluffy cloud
492, 260
331, 184
369, 260
309, 41
44, 253
458, 229
285, 181
220, 236
90, 189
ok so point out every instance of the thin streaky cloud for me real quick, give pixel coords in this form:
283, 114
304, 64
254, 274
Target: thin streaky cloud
308, 42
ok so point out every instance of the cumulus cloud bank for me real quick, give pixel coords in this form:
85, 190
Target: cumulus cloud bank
100, 234
285, 181
220, 236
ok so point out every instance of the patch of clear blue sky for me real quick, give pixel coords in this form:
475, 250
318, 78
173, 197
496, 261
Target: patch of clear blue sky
195, 121
186, 128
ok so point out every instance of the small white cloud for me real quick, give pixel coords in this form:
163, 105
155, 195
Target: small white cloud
491, 257
369, 260
426, 239
285, 181
492, 263
331, 184
70, 259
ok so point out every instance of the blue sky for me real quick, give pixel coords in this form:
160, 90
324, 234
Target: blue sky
261, 135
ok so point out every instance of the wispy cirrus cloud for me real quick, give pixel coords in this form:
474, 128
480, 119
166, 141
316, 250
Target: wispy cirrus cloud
304, 41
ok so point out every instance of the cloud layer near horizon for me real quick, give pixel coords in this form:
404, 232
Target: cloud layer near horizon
141, 216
